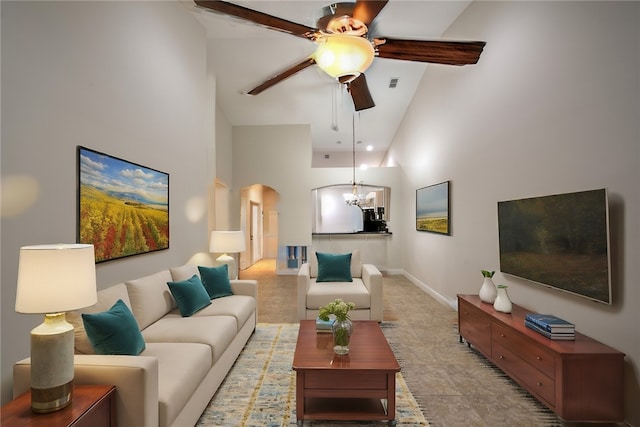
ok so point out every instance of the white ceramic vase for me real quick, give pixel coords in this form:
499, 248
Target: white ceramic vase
502, 302
488, 291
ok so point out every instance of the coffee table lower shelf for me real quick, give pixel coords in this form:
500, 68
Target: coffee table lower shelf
346, 409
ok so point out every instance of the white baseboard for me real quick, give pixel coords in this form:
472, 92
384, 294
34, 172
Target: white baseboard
287, 272
438, 297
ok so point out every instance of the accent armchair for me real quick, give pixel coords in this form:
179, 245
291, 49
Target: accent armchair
365, 289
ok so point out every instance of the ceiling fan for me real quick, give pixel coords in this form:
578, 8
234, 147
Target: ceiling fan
345, 47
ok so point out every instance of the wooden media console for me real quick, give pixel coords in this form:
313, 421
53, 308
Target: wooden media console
579, 380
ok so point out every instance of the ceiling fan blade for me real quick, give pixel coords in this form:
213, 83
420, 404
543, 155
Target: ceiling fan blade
263, 19
282, 76
360, 94
438, 52
366, 10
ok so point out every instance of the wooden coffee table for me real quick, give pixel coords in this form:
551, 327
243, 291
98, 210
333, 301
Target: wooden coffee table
357, 386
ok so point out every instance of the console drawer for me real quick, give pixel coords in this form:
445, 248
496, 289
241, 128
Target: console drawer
528, 350
528, 376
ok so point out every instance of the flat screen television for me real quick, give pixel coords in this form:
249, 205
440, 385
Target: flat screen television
560, 241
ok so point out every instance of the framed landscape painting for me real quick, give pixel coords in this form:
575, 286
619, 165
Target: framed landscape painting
123, 207
432, 209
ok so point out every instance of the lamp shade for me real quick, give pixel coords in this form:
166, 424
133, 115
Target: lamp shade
226, 241
56, 278
344, 55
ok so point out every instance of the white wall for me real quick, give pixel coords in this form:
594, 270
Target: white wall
278, 157
552, 106
223, 148
124, 78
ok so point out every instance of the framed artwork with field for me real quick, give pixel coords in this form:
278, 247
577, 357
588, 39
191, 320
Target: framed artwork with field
123, 207
432, 209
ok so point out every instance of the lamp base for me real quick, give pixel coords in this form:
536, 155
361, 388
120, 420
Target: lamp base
53, 399
51, 364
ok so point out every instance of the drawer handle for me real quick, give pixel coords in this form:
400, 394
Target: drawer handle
539, 384
538, 358
501, 357
502, 335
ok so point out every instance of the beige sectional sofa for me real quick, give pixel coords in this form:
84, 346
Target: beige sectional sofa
185, 358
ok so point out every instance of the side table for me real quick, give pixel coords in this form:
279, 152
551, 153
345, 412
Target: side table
92, 406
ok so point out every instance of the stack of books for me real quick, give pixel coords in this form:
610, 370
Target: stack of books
550, 326
324, 325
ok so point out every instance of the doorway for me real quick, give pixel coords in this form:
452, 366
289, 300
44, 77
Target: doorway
259, 220
255, 232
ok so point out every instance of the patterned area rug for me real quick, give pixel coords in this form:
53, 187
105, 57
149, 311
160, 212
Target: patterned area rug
260, 388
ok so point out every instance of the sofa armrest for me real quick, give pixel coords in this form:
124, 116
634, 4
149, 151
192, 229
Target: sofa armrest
245, 287
135, 378
372, 279
304, 281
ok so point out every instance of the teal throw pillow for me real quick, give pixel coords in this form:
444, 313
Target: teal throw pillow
216, 281
190, 295
334, 267
114, 331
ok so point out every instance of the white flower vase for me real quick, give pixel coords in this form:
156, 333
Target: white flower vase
488, 291
502, 302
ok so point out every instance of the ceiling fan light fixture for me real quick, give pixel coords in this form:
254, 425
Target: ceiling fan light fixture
342, 55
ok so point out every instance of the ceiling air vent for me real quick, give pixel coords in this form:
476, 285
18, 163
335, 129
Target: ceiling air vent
393, 83
326, 156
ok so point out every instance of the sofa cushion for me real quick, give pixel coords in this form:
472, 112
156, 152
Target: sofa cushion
241, 307
321, 294
334, 267
181, 368
150, 297
356, 264
190, 295
114, 331
215, 331
106, 299
183, 272
216, 280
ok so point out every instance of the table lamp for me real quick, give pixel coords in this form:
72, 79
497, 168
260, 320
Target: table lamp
53, 279
227, 242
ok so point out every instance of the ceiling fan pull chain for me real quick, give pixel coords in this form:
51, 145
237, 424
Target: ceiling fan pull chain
353, 132
334, 107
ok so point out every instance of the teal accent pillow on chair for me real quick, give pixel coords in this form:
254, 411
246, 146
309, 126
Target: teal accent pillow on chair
190, 295
334, 267
114, 331
216, 281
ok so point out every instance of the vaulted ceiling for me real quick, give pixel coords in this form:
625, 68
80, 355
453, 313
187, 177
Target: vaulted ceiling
243, 55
